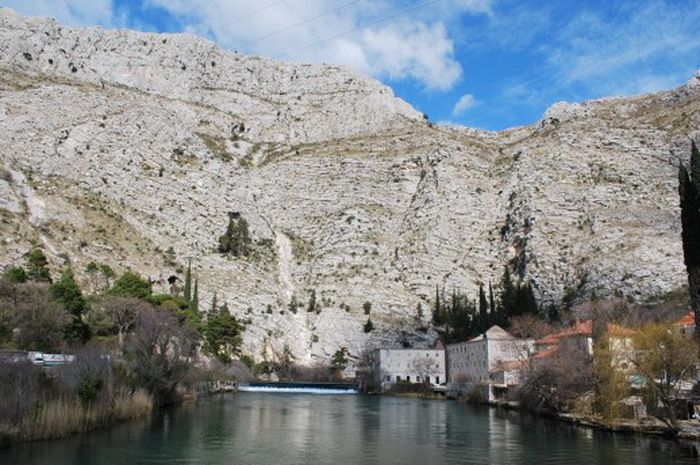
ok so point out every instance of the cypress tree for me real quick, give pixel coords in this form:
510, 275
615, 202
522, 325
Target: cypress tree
508, 305
527, 304
689, 193
312, 302
483, 309
188, 283
195, 296
437, 310
213, 304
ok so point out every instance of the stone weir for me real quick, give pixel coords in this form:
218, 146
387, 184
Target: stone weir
301, 387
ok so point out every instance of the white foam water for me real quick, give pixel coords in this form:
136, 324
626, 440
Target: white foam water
295, 390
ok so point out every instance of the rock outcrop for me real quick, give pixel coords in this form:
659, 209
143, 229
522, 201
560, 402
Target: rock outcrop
120, 145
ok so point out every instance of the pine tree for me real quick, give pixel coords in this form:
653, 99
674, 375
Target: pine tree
492, 301
236, 240
188, 283
223, 335
689, 193
67, 292
37, 266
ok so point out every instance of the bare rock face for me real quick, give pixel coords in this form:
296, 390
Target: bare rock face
120, 145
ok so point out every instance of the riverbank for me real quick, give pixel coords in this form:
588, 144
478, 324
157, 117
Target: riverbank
60, 418
417, 395
689, 429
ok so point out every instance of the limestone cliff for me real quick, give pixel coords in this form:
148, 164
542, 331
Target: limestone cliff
118, 145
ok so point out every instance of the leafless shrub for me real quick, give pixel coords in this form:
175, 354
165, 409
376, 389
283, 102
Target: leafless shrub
530, 326
555, 383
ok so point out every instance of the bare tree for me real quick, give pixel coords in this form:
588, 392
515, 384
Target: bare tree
162, 350
40, 321
530, 326
665, 358
123, 312
426, 367
555, 383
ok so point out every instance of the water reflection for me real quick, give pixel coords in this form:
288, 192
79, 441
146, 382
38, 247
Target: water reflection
255, 428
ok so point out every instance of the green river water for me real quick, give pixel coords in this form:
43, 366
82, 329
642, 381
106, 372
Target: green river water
272, 428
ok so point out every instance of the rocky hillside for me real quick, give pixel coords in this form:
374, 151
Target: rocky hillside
119, 145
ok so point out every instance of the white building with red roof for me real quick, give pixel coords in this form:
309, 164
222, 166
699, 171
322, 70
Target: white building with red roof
472, 361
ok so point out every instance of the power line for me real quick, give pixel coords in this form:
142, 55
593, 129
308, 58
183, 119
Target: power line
357, 28
252, 13
300, 23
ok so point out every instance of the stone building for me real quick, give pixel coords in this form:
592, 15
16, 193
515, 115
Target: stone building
472, 361
412, 365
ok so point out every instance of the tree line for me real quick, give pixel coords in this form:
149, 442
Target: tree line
125, 338
459, 318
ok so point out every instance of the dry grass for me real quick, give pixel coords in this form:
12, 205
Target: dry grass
63, 417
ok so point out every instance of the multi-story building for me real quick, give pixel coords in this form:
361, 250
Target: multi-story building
411, 365
472, 360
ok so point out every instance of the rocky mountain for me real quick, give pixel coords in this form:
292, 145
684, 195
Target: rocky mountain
119, 145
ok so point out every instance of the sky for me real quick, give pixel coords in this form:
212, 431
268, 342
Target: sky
489, 64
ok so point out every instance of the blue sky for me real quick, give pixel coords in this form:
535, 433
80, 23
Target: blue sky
490, 64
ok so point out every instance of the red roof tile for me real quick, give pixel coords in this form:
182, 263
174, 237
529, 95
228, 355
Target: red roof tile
687, 320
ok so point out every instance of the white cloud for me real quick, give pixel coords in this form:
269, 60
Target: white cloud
412, 49
628, 52
464, 104
394, 39
72, 12
338, 32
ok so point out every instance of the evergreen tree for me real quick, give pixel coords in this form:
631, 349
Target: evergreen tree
526, 302
16, 275
484, 317
312, 302
131, 284
438, 313
508, 303
689, 193
223, 335
236, 240
214, 307
492, 301
37, 266
194, 303
188, 283
293, 304
419, 312
67, 292
340, 360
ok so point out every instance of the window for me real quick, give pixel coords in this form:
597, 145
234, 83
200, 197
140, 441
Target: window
398, 378
437, 380
408, 378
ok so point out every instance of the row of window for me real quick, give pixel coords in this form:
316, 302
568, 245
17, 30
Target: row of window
418, 379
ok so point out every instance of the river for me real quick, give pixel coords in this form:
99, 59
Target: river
265, 428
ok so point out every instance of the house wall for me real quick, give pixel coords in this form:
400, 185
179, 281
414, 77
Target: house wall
471, 361
414, 365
